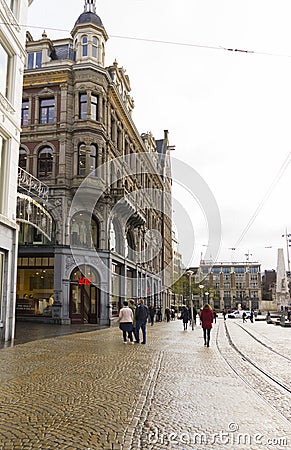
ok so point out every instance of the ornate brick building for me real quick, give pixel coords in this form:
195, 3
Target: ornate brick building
230, 285
98, 235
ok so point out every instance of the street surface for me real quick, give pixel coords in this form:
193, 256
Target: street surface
89, 391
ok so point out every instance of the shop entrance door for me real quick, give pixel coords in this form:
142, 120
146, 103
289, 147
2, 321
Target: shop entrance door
84, 304
84, 299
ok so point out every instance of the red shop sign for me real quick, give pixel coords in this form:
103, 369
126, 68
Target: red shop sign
84, 281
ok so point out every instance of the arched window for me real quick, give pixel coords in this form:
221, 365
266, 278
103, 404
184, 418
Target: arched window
84, 231
94, 47
84, 42
23, 158
93, 157
82, 159
45, 162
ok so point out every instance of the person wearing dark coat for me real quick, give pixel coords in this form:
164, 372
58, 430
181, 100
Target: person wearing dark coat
185, 318
141, 315
206, 320
168, 314
152, 313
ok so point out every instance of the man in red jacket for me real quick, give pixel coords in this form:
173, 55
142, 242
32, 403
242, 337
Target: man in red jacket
206, 320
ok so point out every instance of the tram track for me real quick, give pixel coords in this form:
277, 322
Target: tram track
254, 364
263, 344
274, 391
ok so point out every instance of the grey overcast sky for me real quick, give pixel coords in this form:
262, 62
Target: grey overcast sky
228, 112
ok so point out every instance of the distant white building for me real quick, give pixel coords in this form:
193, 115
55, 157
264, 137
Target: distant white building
13, 14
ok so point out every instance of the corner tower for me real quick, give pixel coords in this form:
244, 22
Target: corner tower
89, 36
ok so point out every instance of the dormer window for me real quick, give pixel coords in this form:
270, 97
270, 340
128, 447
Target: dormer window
84, 46
34, 60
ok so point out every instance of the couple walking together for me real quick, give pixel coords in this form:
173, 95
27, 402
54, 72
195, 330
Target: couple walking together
131, 319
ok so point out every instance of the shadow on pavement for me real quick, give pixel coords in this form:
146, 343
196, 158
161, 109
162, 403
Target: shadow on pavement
31, 331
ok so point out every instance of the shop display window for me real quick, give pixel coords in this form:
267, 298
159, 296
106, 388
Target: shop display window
35, 287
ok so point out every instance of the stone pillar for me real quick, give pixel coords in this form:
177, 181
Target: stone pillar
282, 291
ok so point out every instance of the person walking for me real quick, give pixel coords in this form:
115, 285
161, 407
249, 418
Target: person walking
185, 317
214, 315
141, 315
168, 314
252, 316
152, 313
132, 306
224, 314
206, 320
125, 320
244, 317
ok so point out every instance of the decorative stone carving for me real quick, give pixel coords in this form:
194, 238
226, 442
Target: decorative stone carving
6, 105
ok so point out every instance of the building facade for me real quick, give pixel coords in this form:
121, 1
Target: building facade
97, 235
230, 285
13, 14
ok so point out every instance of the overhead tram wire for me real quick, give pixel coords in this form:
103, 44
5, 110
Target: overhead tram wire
159, 41
263, 201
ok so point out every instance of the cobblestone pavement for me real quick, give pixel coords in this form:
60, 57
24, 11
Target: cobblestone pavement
90, 391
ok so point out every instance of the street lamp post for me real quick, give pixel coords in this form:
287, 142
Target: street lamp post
206, 294
201, 287
190, 273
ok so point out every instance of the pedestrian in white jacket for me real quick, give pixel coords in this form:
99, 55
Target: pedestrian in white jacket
125, 320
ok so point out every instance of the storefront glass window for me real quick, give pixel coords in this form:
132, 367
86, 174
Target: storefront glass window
129, 283
116, 289
31, 235
35, 287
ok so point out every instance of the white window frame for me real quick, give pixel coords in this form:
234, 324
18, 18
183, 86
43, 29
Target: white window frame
14, 6
34, 65
95, 47
6, 89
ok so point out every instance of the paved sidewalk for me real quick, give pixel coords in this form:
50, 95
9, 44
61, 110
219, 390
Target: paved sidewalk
90, 391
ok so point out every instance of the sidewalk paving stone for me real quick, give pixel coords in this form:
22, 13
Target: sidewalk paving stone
89, 391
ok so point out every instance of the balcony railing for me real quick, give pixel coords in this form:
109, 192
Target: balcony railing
32, 185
